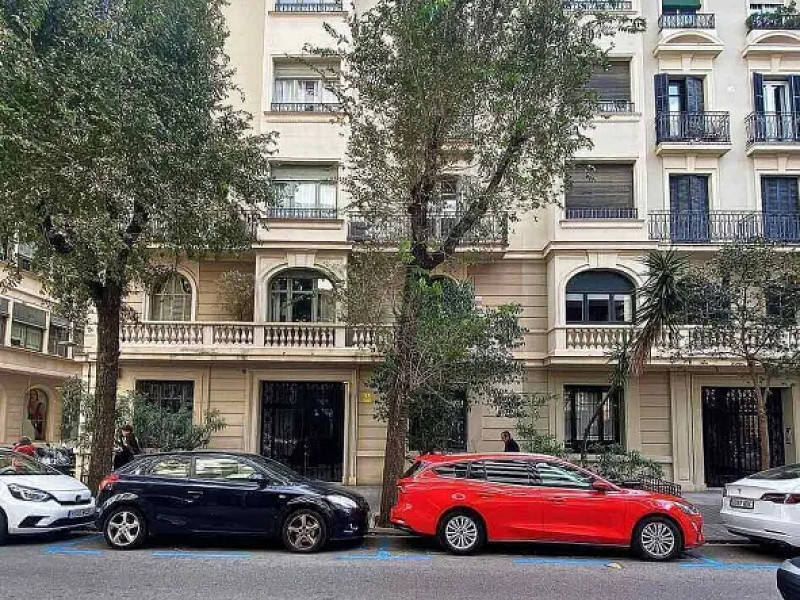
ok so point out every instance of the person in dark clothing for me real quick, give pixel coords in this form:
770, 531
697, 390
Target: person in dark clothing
129, 447
511, 444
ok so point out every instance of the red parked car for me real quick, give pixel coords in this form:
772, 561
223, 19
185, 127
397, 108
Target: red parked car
469, 499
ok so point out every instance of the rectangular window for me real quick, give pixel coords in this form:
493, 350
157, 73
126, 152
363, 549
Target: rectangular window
598, 308
613, 87
781, 206
28, 327
171, 395
575, 308
514, 472
600, 191
764, 7
58, 341
689, 214
298, 88
680, 7
581, 403
4, 314
305, 192
172, 467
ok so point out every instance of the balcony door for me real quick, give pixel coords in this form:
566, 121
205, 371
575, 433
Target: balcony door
680, 108
688, 199
781, 204
778, 102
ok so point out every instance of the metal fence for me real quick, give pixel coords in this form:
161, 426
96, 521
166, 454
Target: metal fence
599, 5
697, 226
602, 213
691, 21
296, 212
773, 128
615, 107
694, 128
492, 229
773, 21
324, 107
308, 6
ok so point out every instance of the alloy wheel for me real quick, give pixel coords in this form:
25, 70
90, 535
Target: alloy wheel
124, 529
304, 531
461, 532
658, 539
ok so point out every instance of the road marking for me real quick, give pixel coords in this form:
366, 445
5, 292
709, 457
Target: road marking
69, 547
383, 553
561, 561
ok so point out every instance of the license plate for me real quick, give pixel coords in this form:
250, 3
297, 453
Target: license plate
80, 513
745, 503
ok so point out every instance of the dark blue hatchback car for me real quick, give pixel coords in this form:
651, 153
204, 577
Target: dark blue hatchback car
219, 493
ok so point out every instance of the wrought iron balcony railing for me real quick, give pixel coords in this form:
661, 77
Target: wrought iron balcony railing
615, 107
599, 5
694, 128
330, 6
602, 213
773, 128
294, 212
773, 21
324, 107
690, 21
708, 227
492, 230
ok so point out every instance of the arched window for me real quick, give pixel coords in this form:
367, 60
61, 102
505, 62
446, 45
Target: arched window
171, 300
34, 422
301, 296
600, 297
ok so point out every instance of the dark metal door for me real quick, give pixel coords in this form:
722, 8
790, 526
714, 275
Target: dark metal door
730, 433
302, 426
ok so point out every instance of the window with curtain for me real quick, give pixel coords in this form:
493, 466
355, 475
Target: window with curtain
171, 300
581, 403
601, 191
305, 192
600, 297
301, 296
28, 325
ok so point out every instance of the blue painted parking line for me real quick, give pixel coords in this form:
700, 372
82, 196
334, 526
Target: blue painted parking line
702, 562
186, 554
384, 554
69, 548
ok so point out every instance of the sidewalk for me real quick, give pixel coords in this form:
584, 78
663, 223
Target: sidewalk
708, 503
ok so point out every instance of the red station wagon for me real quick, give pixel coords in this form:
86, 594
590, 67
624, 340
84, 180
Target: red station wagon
467, 500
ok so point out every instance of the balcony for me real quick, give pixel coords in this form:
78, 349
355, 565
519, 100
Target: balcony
306, 107
615, 107
768, 131
299, 213
576, 214
773, 22
308, 7
491, 231
690, 21
704, 132
712, 227
599, 5
236, 339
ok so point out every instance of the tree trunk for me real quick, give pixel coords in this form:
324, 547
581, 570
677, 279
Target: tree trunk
763, 427
588, 429
105, 391
397, 422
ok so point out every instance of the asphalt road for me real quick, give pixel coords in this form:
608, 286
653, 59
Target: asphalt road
82, 568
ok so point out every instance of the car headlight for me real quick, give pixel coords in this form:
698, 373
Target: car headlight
342, 501
688, 509
20, 492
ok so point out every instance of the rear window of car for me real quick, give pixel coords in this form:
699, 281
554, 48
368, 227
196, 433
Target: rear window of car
453, 471
176, 467
779, 473
415, 468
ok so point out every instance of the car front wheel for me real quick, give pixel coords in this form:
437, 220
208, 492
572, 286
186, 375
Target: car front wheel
3, 528
125, 528
304, 531
657, 538
461, 533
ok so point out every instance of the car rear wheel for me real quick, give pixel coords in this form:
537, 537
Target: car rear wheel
125, 528
657, 538
304, 531
461, 532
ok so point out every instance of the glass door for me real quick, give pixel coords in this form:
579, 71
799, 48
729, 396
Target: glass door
778, 109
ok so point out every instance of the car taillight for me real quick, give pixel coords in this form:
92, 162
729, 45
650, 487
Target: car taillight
781, 498
108, 481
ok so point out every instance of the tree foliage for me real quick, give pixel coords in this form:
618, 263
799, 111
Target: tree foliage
118, 134
237, 292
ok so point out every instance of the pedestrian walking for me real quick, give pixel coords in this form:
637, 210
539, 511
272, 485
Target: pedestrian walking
129, 447
511, 444
25, 446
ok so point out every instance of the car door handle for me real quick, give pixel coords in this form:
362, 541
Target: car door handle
194, 493
488, 494
558, 500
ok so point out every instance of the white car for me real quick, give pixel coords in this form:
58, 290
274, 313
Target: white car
35, 498
765, 507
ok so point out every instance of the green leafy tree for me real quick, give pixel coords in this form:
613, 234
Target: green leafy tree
491, 90
237, 291
118, 136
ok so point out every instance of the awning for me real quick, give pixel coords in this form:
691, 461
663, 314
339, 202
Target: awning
56, 321
28, 315
682, 4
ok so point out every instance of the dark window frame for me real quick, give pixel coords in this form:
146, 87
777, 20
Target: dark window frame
168, 401
573, 436
611, 297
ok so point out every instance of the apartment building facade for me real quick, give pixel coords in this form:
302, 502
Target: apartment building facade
696, 142
38, 353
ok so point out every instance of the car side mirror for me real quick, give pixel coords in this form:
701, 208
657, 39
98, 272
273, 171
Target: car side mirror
602, 486
260, 479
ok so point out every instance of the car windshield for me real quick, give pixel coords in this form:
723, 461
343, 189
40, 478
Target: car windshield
279, 469
779, 473
12, 463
